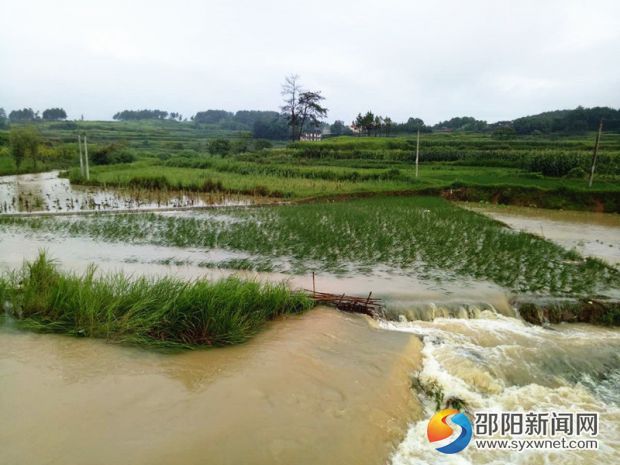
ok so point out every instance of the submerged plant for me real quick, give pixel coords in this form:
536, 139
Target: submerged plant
422, 236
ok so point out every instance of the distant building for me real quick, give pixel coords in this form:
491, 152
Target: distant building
311, 136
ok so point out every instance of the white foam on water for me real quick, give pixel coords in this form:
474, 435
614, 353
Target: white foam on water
499, 363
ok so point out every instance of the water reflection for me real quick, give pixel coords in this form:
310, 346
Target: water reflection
46, 192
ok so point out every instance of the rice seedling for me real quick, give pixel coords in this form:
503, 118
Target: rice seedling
423, 236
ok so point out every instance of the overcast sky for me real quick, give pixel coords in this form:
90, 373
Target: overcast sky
493, 60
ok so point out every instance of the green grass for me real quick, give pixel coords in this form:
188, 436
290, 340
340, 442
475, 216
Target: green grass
283, 179
173, 156
300, 181
191, 179
8, 167
163, 312
425, 237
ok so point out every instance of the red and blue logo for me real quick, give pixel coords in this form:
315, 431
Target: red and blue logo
444, 424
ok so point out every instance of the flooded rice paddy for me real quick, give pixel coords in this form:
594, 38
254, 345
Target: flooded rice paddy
321, 388
49, 193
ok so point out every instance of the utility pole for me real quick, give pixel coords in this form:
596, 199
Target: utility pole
81, 160
417, 153
86, 158
595, 153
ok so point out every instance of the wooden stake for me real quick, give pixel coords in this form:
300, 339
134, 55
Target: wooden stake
86, 157
595, 153
81, 160
417, 153
313, 286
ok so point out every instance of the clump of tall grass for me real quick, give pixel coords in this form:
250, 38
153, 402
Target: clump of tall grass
163, 312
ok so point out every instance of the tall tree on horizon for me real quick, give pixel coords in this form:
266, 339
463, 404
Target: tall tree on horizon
52, 114
310, 109
301, 106
291, 89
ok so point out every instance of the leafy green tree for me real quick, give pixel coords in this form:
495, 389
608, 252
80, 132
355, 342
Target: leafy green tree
112, 153
3, 119
247, 118
311, 112
25, 114
358, 124
273, 127
24, 141
129, 115
19, 145
378, 124
33, 140
387, 124
260, 144
413, 125
301, 108
339, 128
462, 123
212, 116
368, 122
54, 114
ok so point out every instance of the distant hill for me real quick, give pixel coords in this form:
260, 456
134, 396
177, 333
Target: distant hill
575, 121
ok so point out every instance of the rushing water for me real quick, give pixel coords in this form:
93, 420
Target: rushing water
499, 363
46, 192
324, 388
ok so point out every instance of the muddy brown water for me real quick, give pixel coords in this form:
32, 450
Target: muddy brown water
312, 389
48, 193
407, 295
591, 234
321, 388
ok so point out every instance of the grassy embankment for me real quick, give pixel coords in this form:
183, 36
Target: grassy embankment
416, 236
162, 312
58, 149
542, 172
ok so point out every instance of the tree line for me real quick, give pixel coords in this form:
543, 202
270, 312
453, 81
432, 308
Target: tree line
377, 125
28, 114
575, 121
136, 115
304, 111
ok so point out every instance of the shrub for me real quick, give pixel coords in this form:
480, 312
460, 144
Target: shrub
112, 154
260, 144
219, 147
